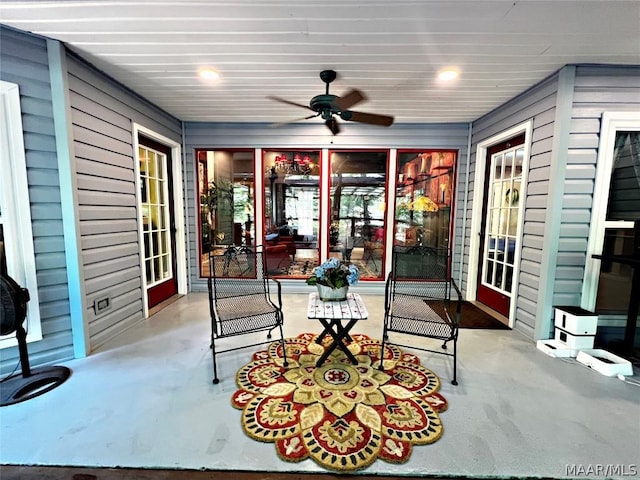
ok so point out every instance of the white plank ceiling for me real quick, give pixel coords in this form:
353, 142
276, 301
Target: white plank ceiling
391, 50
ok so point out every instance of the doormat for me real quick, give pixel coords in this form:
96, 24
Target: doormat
474, 317
342, 416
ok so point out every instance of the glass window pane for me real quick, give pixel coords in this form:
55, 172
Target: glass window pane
494, 221
624, 193
490, 267
166, 273
154, 196
148, 245
149, 270
291, 211
423, 199
498, 163
155, 218
157, 269
3, 255
358, 205
508, 164
152, 164
614, 284
162, 247
161, 172
508, 282
162, 217
226, 191
157, 245
517, 172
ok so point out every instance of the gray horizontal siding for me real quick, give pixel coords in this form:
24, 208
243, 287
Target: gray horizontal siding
25, 62
597, 89
102, 115
538, 104
313, 135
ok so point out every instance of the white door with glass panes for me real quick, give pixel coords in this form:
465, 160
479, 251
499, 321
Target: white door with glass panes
157, 221
503, 185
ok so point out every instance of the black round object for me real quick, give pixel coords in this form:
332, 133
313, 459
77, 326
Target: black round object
14, 305
32, 382
322, 102
328, 76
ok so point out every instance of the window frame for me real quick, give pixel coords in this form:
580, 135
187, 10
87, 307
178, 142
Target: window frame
611, 124
21, 264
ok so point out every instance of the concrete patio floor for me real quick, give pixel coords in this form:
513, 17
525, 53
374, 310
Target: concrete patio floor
146, 400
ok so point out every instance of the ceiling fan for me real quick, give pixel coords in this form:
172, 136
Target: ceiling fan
328, 106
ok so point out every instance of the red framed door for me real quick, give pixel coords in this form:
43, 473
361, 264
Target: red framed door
501, 214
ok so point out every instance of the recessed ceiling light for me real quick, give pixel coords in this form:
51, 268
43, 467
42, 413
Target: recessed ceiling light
448, 74
209, 74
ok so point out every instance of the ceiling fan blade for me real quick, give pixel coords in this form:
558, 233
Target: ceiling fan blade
332, 124
350, 99
289, 102
370, 118
281, 124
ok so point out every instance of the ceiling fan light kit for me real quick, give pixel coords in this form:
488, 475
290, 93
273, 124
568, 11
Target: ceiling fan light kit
328, 106
332, 124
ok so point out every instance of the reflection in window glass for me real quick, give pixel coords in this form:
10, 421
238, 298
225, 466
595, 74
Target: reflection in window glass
624, 193
423, 199
424, 194
291, 212
356, 231
614, 284
3, 256
226, 191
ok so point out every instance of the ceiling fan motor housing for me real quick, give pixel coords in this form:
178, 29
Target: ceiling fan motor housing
324, 104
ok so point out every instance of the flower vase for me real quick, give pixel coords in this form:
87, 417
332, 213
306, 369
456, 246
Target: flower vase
328, 294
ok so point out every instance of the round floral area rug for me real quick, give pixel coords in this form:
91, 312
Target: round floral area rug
341, 415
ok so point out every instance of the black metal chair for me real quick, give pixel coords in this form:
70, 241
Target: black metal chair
240, 299
422, 299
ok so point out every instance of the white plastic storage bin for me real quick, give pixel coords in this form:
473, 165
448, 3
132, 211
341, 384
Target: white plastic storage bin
576, 342
576, 320
605, 362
